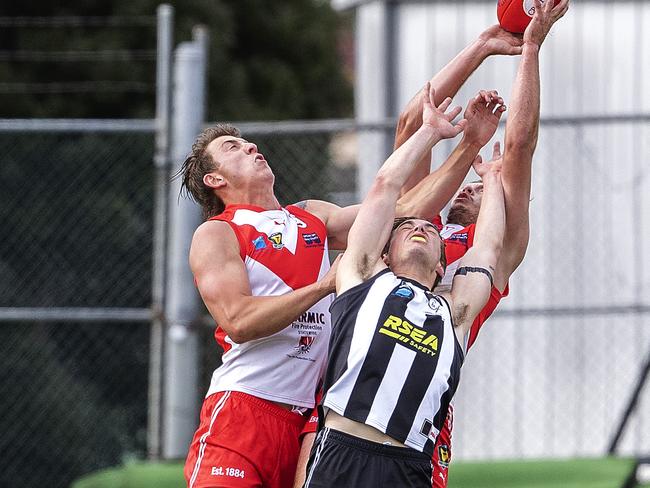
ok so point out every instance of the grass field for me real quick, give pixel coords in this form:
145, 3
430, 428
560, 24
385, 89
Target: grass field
580, 473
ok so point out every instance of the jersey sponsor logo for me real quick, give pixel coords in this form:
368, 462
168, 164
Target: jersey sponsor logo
259, 243
459, 236
312, 318
443, 456
409, 335
404, 291
304, 344
312, 240
276, 240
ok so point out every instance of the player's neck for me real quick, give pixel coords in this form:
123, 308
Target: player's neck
460, 218
258, 198
415, 273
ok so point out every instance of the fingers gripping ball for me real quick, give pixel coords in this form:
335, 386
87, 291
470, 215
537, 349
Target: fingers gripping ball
515, 15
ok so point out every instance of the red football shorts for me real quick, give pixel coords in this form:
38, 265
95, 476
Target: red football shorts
243, 441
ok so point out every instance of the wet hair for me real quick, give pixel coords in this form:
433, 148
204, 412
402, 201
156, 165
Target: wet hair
199, 163
399, 221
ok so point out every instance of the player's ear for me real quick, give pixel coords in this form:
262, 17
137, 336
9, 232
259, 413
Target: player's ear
384, 258
214, 180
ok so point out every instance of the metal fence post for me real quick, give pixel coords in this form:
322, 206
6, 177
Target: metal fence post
183, 306
165, 35
371, 91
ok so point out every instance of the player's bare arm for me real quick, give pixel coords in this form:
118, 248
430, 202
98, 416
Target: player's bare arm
303, 458
473, 281
373, 224
429, 196
447, 82
521, 139
223, 284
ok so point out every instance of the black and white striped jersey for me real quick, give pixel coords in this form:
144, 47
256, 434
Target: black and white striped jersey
394, 359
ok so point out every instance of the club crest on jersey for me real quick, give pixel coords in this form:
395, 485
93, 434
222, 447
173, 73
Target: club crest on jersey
404, 291
259, 243
304, 344
443, 456
312, 240
434, 304
276, 240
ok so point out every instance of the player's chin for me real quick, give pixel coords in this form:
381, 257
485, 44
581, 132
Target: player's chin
423, 254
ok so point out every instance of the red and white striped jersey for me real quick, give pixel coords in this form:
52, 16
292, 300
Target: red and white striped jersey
282, 250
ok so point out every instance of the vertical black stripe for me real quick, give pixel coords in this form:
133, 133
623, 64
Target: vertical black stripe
374, 366
344, 311
452, 385
416, 384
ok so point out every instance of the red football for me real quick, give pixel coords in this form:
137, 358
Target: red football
515, 15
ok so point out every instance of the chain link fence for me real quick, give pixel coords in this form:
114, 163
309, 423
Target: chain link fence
550, 375
76, 227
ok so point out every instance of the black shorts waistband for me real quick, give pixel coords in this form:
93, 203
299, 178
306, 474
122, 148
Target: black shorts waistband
373, 447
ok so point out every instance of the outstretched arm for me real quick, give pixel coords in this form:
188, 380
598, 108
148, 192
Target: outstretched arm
430, 195
521, 139
372, 226
428, 198
447, 82
471, 286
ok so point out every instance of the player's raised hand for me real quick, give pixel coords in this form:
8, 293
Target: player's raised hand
483, 113
499, 41
493, 166
545, 16
436, 118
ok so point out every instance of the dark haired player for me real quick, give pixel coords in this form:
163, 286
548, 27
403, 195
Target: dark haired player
520, 142
396, 351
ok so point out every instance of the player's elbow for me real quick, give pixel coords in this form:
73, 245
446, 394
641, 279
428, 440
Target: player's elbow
385, 184
491, 252
235, 326
407, 124
237, 332
521, 144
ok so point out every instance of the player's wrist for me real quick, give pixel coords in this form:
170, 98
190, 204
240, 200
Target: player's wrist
531, 47
482, 48
470, 144
431, 133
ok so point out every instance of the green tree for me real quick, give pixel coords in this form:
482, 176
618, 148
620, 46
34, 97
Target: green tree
77, 213
268, 59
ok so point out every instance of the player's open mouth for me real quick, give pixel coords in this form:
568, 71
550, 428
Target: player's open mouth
418, 239
259, 158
